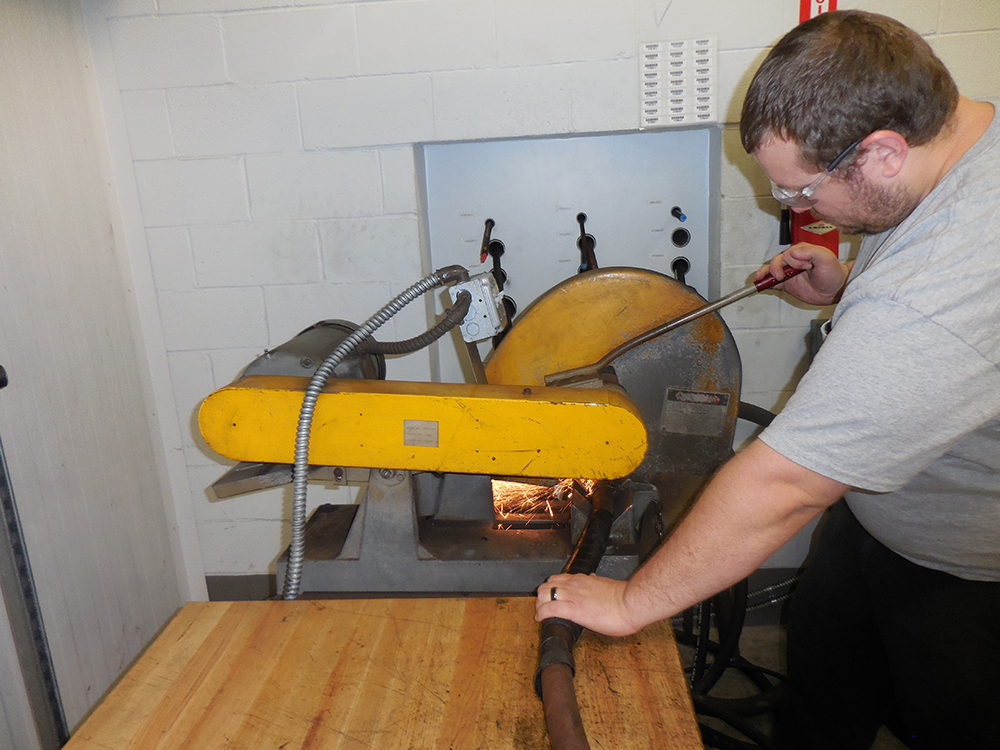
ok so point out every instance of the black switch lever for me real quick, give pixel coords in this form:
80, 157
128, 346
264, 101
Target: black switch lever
494, 249
586, 243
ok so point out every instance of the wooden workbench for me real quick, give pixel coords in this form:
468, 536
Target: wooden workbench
381, 673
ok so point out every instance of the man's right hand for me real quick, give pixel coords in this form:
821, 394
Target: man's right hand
823, 280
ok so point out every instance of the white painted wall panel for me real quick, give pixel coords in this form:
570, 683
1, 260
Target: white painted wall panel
78, 427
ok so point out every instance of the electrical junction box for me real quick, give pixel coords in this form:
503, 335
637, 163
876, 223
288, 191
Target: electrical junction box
651, 200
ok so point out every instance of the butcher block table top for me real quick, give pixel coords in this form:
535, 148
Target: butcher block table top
382, 673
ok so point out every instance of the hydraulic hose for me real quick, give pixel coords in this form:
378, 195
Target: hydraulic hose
300, 469
554, 676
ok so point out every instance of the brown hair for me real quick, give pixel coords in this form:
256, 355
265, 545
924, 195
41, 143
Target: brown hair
842, 75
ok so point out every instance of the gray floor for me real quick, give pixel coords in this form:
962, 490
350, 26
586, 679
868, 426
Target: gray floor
763, 645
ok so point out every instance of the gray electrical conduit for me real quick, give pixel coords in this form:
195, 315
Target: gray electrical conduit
300, 469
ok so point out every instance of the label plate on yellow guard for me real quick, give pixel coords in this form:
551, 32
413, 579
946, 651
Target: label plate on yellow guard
453, 427
420, 432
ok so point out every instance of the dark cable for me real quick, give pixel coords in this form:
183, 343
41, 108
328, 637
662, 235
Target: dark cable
452, 318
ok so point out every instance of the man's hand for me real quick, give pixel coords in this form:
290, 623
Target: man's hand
752, 506
823, 281
592, 601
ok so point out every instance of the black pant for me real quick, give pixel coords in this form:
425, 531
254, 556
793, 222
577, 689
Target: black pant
874, 639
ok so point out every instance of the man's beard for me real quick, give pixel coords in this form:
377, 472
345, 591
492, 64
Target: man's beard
878, 208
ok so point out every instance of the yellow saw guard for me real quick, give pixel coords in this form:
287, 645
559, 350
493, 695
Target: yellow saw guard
515, 430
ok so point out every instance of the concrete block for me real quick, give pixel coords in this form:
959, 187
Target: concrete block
773, 359
197, 453
314, 185
228, 364
796, 314
754, 312
192, 380
736, 70
502, 103
191, 191
375, 111
256, 253
922, 17
406, 37
399, 188
965, 15
203, 6
148, 124
293, 308
242, 546
213, 319
605, 96
412, 368
170, 258
291, 45
741, 174
537, 33
166, 51
749, 233
373, 249
411, 321
119, 8
217, 120
737, 24
972, 60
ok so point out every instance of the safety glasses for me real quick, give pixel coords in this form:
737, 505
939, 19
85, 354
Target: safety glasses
803, 198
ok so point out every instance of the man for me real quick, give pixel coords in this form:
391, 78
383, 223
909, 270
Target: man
897, 617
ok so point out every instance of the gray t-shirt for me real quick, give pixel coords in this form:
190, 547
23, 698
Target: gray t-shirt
903, 399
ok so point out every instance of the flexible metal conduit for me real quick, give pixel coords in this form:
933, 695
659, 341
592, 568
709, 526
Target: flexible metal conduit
300, 469
452, 318
554, 676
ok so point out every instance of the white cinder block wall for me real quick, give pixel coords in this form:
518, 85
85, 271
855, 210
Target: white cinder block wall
266, 165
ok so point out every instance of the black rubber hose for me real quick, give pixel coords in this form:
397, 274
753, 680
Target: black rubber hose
554, 676
703, 708
452, 318
730, 625
756, 414
716, 739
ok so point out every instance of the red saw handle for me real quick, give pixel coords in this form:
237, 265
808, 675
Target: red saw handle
768, 281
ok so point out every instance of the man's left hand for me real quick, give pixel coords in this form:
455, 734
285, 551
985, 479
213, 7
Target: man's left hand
594, 602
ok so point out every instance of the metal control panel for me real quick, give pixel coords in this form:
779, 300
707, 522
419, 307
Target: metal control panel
647, 200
